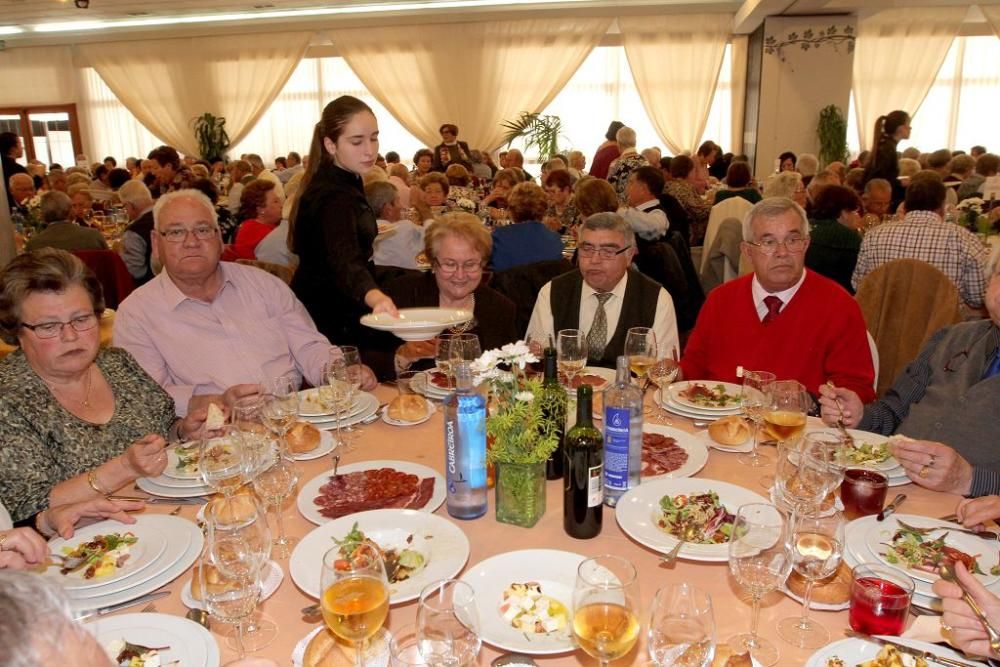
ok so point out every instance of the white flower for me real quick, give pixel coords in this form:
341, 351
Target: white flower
971, 204
524, 396
518, 353
486, 361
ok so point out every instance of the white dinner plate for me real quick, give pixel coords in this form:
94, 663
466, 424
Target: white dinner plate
126, 590
675, 391
270, 581
161, 486
430, 410
879, 534
443, 545
310, 490
190, 645
369, 405
864, 437
639, 509
696, 451
554, 570
422, 384
326, 445
707, 440
173, 460
668, 404
310, 404
856, 651
417, 323
149, 546
606, 374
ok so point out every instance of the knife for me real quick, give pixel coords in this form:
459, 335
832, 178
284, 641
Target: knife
909, 650
200, 500
891, 507
104, 611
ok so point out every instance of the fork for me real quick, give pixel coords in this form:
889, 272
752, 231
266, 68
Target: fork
689, 534
981, 534
840, 420
947, 572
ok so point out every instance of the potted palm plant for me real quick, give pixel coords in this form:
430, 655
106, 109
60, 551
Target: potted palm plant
541, 132
210, 131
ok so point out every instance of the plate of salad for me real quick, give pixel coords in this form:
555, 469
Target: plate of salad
917, 545
660, 511
871, 450
707, 395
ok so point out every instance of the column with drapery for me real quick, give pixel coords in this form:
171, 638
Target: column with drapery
166, 83
474, 75
897, 55
675, 60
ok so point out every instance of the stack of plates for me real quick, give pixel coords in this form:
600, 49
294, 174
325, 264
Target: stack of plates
311, 410
673, 401
168, 485
166, 548
865, 540
186, 642
890, 467
422, 384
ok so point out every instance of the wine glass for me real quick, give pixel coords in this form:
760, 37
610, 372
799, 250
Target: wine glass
355, 374
231, 596
274, 481
355, 599
640, 348
606, 605
681, 627
817, 546
464, 347
760, 562
662, 374
281, 406
755, 399
572, 353
336, 392
785, 418
805, 474
221, 463
448, 624
442, 357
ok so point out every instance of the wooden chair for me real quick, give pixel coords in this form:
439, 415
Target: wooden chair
903, 303
111, 272
284, 272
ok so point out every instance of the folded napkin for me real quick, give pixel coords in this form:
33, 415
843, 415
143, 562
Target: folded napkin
926, 629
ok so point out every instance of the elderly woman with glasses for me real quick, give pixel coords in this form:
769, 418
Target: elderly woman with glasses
458, 247
77, 422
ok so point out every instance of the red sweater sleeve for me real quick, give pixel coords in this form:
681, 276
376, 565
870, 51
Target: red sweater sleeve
248, 236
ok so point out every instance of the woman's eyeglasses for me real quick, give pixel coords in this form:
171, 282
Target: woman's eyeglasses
53, 329
450, 267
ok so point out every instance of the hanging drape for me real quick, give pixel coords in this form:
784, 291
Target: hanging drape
31, 76
896, 57
739, 45
474, 75
675, 62
166, 83
992, 14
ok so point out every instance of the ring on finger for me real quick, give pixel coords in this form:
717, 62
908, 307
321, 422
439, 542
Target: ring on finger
923, 472
946, 629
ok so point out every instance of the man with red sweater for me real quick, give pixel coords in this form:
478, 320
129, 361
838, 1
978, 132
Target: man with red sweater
783, 319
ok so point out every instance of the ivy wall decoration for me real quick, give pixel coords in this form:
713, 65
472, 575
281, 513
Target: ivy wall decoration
811, 39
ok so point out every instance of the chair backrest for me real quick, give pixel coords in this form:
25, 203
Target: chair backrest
722, 256
284, 272
733, 208
521, 284
904, 302
111, 272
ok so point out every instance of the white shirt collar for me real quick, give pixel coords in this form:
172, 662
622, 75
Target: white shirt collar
618, 290
647, 205
759, 293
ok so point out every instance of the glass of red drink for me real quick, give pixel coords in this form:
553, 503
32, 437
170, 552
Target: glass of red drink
880, 600
863, 492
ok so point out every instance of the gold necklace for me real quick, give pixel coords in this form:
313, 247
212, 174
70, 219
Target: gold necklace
86, 392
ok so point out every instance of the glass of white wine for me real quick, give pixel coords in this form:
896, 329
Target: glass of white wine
681, 627
442, 357
759, 561
355, 600
606, 607
640, 348
785, 419
755, 400
571, 353
281, 406
448, 624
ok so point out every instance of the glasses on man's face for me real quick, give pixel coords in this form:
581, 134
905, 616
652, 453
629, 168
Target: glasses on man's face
770, 246
178, 234
449, 267
52, 329
604, 252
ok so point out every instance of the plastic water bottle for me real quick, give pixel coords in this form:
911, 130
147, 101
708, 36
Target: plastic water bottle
465, 447
622, 435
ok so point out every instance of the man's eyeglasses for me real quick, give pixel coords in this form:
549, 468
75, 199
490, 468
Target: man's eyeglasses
52, 329
178, 234
770, 246
449, 267
603, 252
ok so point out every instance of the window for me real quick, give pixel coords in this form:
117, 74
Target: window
49, 134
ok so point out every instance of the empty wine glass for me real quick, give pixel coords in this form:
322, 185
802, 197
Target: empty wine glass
759, 561
662, 374
336, 392
448, 624
273, 482
355, 595
681, 627
232, 593
221, 464
442, 357
817, 546
355, 376
805, 474
464, 347
606, 607
756, 400
281, 405
571, 353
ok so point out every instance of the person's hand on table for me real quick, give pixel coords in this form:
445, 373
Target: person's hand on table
975, 512
21, 548
63, 519
146, 456
418, 349
959, 624
192, 425
368, 379
934, 465
830, 410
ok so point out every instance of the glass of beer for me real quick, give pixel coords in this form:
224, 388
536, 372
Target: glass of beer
606, 607
880, 600
863, 492
355, 594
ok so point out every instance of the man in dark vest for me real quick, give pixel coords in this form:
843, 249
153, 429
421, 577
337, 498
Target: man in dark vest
604, 297
136, 243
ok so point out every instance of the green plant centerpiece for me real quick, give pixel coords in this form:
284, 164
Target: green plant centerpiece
520, 435
213, 140
832, 134
541, 132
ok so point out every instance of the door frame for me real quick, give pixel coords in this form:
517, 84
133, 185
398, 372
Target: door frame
26, 135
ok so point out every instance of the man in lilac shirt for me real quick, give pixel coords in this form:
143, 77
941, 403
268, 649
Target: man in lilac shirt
211, 331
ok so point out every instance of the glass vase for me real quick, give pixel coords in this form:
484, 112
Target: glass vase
520, 493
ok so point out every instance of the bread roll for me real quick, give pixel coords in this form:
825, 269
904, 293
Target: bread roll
235, 509
302, 438
724, 657
212, 581
408, 408
215, 419
321, 651
835, 589
729, 431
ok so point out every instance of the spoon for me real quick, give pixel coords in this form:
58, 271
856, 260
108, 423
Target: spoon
199, 616
947, 572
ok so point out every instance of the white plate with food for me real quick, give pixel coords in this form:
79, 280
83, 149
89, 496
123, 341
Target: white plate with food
167, 488
419, 548
915, 551
663, 400
432, 383
871, 450
596, 376
417, 323
510, 614
184, 642
311, 404
306, 442
368, 485
369, 405
853, 652
104, 553
400, 414
271, 579
651, 510
669, 452
182, 462
706, 395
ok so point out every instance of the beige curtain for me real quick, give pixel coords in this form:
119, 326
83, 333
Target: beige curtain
738, 62
675, 61
475, 75
31, 76
896, 58
166, 83
992, 13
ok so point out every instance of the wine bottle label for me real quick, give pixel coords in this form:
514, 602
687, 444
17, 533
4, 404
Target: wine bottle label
595, 487
616, 442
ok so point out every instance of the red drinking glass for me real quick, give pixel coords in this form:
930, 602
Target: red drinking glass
880, 600
863, 492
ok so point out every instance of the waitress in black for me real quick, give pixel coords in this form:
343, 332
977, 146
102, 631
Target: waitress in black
884, 159
333, 227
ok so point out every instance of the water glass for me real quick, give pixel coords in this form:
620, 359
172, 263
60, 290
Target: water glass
863, 492
229, 598
571, 353
681, 627
404, 648
221, 464
448, 627
880, 600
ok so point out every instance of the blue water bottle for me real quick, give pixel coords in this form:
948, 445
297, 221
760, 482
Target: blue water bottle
465, 447
622, 435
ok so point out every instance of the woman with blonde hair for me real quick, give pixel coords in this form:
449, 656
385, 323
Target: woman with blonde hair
528, 240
